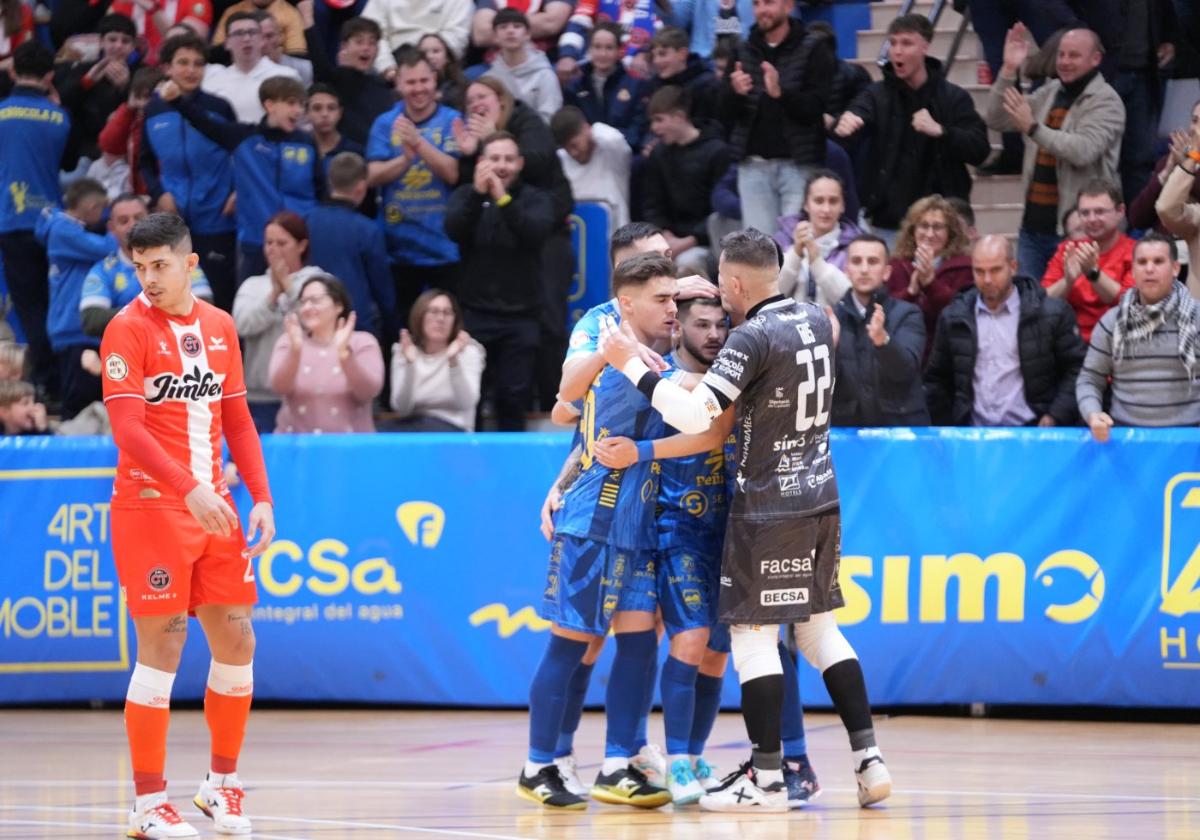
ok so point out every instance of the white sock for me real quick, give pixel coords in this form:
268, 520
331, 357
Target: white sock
140, 803
217, 780
671, 759
767, 777
612, 765
862, 755
532, 768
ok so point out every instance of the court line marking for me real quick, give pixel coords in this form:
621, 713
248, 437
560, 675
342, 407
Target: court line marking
121, 827
267, 818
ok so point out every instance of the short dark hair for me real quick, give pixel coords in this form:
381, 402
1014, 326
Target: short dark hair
870, 238
189, 41
824, 27
328, 90
611, 27
336, 290
671, 37
496, 137
410, 56
1101, 186
281, 89
113, 22
346, 171
81, 189
668, 99
685, 306
640, 269
827, 174
725, 48
158, 230
914, 23
627, 234
750, 247
963, 208
32, 60
359, 26
237, 16
1153, 237
509, 15
567, 123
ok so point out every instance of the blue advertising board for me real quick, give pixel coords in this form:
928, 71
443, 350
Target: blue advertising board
589, 237
1002, 566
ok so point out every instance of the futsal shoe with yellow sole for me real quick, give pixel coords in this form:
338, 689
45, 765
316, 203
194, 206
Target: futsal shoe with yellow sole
628, 786
547, 788
154, 818
220, 798
874, 780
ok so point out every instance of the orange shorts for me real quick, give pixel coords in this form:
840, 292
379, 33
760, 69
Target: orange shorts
168, 564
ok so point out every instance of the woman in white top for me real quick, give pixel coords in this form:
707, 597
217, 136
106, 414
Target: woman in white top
261, 304
436, 369
815, 241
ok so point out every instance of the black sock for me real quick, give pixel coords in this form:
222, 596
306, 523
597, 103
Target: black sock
848, 690
762, 708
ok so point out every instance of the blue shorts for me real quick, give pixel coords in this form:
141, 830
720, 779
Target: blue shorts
688, 581
588, 581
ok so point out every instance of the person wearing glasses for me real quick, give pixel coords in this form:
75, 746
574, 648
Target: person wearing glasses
931, 264
1093, 271
239, 82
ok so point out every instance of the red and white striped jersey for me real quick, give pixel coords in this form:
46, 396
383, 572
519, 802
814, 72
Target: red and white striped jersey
182, 367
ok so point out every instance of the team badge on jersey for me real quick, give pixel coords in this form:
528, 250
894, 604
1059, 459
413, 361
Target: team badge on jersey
115, 367
191, 345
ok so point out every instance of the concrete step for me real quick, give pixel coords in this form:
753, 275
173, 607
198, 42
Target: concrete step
963, 72
870, 41
998, 189
884, 13
1004, 219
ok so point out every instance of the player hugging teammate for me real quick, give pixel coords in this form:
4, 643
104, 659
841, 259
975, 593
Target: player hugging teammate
758, 591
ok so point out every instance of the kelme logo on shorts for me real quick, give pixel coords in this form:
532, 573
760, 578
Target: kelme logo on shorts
158, 579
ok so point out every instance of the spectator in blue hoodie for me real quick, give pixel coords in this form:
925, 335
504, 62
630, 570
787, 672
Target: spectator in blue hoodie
275, 165
605, 92
351, 247
36, 143
72, 250
189, 174
708, 20
112, 283
413, 157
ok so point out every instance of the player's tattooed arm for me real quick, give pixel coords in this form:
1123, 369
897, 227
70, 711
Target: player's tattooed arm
570, 471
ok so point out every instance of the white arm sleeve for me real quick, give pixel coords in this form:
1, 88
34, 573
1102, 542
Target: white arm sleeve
691, 412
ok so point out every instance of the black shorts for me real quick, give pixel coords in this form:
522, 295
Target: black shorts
781, 571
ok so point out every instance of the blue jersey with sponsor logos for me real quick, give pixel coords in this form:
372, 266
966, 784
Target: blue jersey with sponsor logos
413, 212
693, 496
585, 335
112, 284
614, 506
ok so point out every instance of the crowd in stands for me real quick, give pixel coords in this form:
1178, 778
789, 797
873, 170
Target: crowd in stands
380, 192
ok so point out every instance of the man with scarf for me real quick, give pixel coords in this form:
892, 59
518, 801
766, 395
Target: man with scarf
1147, 344
1075, 124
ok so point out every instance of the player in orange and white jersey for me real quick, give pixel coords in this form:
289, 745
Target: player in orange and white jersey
173, 386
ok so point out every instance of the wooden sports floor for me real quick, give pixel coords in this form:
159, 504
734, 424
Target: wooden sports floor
423, 774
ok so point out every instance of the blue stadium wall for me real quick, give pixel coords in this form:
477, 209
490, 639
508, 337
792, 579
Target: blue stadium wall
1003, 566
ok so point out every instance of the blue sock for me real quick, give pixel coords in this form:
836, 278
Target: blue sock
792, 729
679, 703
626, 697
548, 696
576, 692
708, 706
648, 703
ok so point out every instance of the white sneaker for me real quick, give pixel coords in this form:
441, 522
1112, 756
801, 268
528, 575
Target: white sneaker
220, 799
685, 788
874, 781
706, 774
652, 762
156, 819
570, 775
744, 794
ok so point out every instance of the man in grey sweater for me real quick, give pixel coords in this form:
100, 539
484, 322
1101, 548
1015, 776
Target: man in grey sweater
1148, 344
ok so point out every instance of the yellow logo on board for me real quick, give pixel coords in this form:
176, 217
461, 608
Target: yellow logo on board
507, 624
422, 523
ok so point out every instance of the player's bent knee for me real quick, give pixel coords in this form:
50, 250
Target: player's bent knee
713, 664
822, 643
631, 621
689, 646
755, 651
